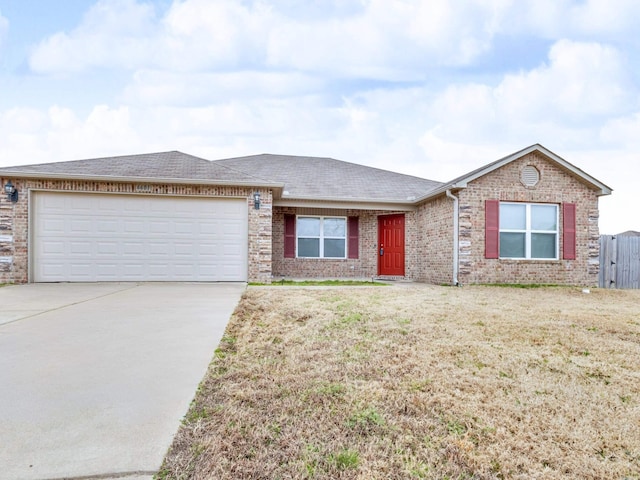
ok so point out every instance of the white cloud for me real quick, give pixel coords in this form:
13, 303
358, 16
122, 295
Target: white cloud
613, 17
159, 87
554, 19
21, 120
200, 34
221, 78
451, 159
581, 80
113, 33
33, 136
377, 39
569, 97
399, 40
623, 132
4, 29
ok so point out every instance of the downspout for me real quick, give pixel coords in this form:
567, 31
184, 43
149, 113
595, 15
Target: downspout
456, 237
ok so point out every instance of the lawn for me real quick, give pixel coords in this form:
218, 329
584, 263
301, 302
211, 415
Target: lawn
419, 382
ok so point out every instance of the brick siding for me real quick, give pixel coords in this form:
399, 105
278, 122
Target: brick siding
14, 220
428, 230
435, 221
555, 186
365, 266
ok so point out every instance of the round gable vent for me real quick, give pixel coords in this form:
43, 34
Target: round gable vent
530, 176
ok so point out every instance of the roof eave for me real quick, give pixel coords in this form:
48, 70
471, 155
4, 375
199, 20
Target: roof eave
440, 191
132, 179
408, 201
345, 203
463, 182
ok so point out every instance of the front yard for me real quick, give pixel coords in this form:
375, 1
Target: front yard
419, 382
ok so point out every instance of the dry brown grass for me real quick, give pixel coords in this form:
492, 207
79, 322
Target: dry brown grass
419, 382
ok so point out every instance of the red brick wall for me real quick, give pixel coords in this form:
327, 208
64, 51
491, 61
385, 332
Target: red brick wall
14, 220
435, 220
555, 186
428, 231
365, 266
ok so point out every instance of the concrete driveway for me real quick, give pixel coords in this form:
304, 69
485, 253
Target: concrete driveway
95, 378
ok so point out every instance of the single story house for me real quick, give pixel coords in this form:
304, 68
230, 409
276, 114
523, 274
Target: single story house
530, 217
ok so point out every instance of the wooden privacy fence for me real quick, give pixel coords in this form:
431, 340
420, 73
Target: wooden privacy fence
619, 261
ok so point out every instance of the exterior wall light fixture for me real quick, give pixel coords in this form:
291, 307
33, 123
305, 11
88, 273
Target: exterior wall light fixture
11, 191
256, 200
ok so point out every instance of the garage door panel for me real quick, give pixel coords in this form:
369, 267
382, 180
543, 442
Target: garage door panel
109, 248
132, 226
132, 272
52, 247
54, 225
184, 249
96, 237
209, 228
184, 227
107, 226
82, 270
159, 250
132, 248
84, 225
159, 226
76, 248
108, 270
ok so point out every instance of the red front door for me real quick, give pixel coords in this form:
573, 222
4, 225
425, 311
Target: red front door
391, 245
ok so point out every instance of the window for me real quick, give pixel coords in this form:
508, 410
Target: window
321, 237
528, 231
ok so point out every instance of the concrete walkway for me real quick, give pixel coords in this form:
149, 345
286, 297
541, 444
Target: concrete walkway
95, 378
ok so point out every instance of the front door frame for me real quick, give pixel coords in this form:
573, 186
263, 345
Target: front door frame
391, 245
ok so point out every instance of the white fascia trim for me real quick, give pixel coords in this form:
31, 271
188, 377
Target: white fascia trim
125, 179
355, 205
464, 181
604, 190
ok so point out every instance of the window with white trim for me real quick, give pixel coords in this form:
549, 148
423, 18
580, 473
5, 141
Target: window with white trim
321, 237
528, 231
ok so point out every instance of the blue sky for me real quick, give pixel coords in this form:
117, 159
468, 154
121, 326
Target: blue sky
432, 88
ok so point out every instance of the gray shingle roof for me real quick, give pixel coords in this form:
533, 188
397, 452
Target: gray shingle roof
298, 177
164, 165
330, 179
461, 182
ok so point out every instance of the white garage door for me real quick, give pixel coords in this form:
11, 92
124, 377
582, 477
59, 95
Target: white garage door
92, 238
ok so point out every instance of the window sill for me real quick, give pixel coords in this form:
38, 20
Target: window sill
320, 258
530, 260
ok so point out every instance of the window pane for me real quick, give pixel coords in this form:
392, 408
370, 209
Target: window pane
543, 245
334, 248
308, 227
334, 227
512, 245
308, 247
544, 217
513, 217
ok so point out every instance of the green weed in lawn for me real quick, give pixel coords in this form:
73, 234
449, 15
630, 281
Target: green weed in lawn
365, 418
455, 427
332, 389
345, 459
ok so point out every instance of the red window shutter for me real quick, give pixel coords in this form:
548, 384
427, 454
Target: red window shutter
569, 231
492, 229
354, 237
289, 236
